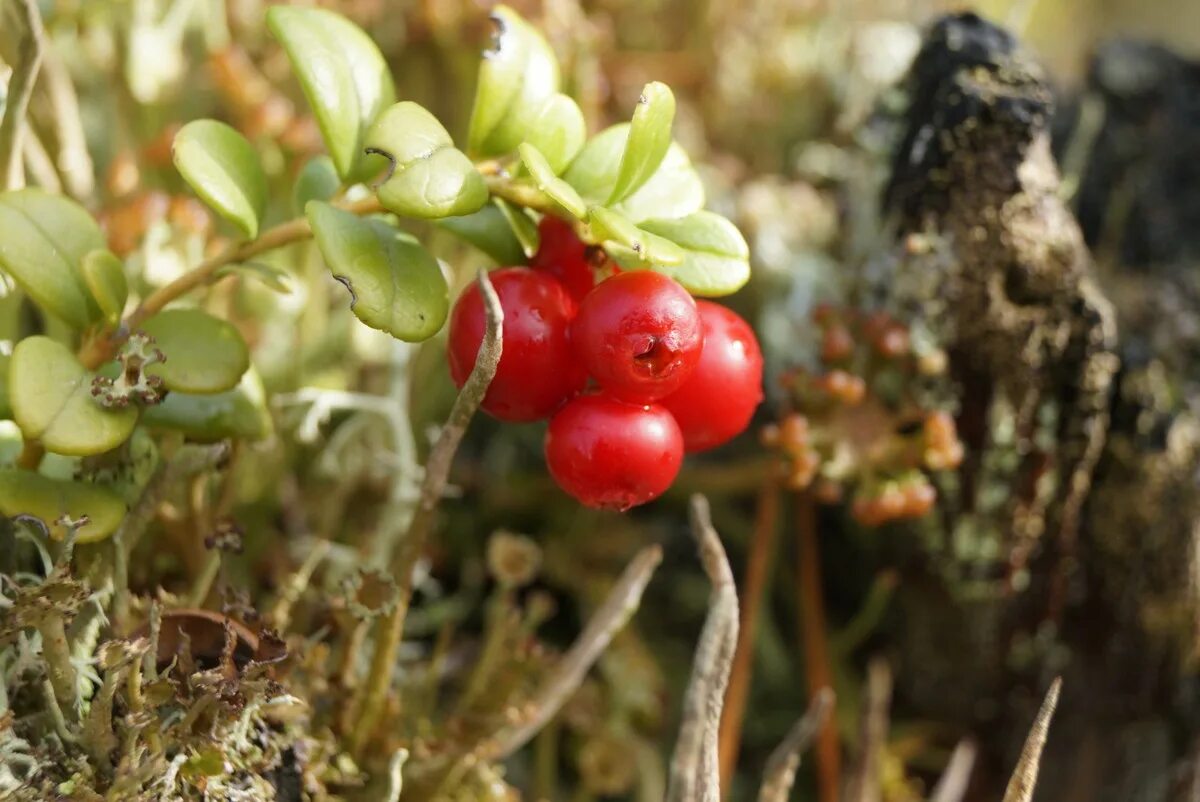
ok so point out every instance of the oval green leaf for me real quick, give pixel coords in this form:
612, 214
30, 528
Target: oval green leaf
5, 404
648, 140
43, 240
490, 231
28, 493
223, 168
648, 247
559, 190
430, 178
104, 275
343, 75
204, 354
240, 412
557, 130
716, 258
517, 77
51, 397
318, 180
395, 285
522, 227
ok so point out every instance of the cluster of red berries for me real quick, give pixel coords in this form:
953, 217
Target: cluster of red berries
857, 421
631, 371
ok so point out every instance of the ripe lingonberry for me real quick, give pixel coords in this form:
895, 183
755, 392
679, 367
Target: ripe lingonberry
563, 255
537, 370
639, 335
716, 402
607, 453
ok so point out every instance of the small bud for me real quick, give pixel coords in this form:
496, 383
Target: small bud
513, 560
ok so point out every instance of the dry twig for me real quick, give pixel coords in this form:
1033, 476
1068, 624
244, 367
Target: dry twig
863, 785
780, 773
952, 786
1024, 778
20, 88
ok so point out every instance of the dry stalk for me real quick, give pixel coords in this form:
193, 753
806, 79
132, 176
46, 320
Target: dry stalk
780, 773
1024, 778
952, 785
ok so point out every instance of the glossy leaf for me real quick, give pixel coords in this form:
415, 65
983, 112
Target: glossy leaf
647, 246
559, 190
318, 180
395, 285
430, 178
557, 130
343, 75
522, 227
51, 397
593, 173
104, 275
43, 240
648, 140
29, 493
223, 168
204, 354
240, 412
518, 77
716, 258
489, 231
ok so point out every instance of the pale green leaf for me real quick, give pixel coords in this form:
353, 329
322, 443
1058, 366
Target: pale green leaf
522, 227
318, 180
675, 190
51, 397
395, 285
344, 77
204, 354
430, 178
29, 493
240, 412
559, 190
648, 140
104, 275
716, 258
223, 168
488, 230
607, 225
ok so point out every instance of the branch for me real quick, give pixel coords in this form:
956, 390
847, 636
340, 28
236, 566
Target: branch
780, 773
1024, 778
20, 88
695, 765
864, 782
952, 787
564, 680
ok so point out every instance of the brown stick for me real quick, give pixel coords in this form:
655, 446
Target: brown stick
20, 89
1024, 778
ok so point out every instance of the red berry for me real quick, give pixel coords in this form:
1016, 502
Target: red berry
538, 370
639, 335
716, 402
607, 453
563, 255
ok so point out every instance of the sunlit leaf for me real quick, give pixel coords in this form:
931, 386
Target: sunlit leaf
223, 168
559, 190
647, 246
395, 285
43, 240
430, 178
648, 140
344, 77
51, 397
240, 412
29, 493
204, 354
557, 130
104, 275
716, 258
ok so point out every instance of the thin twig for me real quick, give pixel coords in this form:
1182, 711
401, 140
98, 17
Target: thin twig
695, 765
20, 88
620, 605
780, 773
863, 784
1024, 778
762, 549
437, 473
952, 786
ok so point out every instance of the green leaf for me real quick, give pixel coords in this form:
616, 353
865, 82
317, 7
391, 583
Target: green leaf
275, 278
559, 190
43, 239
716, 258
518, 77
51, 397
343, 75
204, 354
593, 173
648, 140
29, 493
523, 228
240, 412
489, 231
558, 130
223, 168
5, 403
430, 178
648, 247
104, 275
395, 285
318, 180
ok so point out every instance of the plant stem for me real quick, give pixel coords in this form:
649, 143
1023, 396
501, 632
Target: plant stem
204, 582
522, 194
20, 89
56, 652
31, 455
101, 349
780, 773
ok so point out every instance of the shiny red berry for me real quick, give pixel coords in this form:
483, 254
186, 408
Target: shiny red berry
639, 335
538, 371
607, 453
716, 402
563, 255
